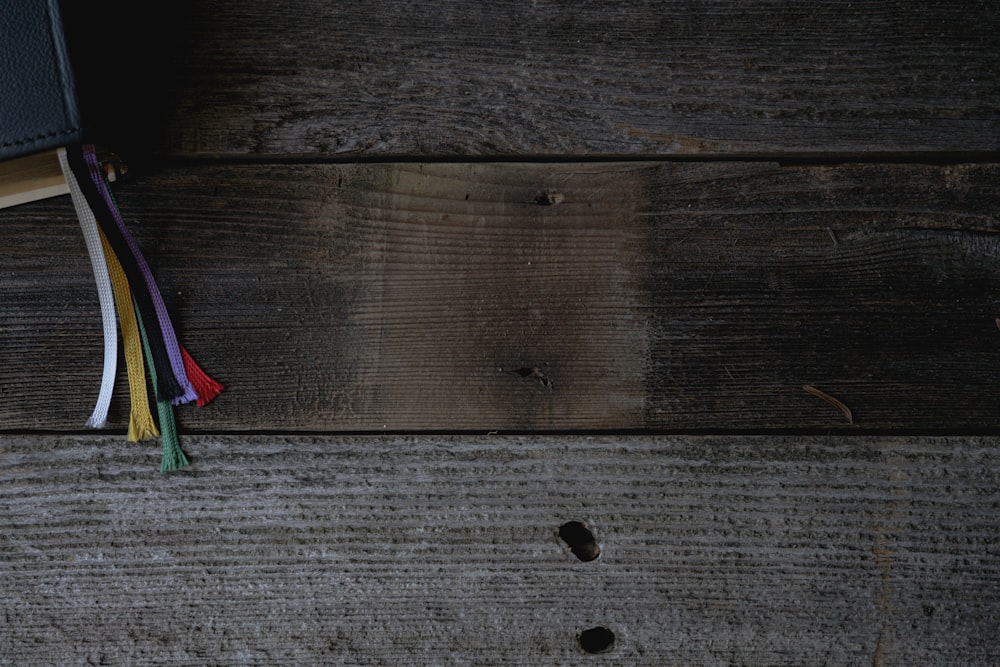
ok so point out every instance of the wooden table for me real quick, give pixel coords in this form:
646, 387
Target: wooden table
475, 271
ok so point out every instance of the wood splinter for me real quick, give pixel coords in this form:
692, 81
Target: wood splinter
809, 389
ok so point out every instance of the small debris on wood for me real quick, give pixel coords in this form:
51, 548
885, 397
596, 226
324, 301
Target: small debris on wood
533, 372
809, 389
549, 199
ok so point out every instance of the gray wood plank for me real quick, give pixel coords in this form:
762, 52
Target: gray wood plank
446, 297
445, 551
523, 77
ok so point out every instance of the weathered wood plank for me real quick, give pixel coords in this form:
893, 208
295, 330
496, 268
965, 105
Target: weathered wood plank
445, 550
420, 296
528, 77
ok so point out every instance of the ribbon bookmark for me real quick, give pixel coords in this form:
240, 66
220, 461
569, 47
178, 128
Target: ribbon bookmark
141, 281
187, 393
173, 455
124, 279
206, 387
140, 422
91, 235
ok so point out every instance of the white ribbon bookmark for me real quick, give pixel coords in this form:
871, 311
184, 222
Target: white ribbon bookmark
88, 223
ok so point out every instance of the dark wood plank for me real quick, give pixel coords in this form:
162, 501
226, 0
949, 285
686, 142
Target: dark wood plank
522, 77
439, 551
455, 297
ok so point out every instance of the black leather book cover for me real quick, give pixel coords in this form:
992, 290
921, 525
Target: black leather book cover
38, 104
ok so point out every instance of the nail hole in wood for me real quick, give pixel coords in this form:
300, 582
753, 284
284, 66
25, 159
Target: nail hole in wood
597, 640
580, 540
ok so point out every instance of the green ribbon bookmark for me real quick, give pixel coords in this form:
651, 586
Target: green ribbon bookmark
173, 456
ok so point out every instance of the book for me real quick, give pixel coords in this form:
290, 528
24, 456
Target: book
38, 104
38, 176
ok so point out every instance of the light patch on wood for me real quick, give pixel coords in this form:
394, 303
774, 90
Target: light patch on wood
476, 282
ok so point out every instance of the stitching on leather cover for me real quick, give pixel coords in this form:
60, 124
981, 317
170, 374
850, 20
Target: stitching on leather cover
28, 140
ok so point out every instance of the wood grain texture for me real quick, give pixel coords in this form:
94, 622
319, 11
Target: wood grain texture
337, 286
529, 77
445, 551
447, 297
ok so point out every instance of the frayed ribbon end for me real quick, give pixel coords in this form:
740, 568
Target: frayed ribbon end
209, 391
206, 386
96, 422
173, 459
139, 430
188, 396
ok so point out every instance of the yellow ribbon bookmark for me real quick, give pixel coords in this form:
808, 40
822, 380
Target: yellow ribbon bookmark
140, 422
